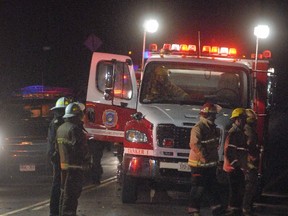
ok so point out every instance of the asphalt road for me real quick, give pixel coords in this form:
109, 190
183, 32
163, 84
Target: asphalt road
31, 197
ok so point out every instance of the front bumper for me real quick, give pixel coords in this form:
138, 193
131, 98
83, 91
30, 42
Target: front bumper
156, 169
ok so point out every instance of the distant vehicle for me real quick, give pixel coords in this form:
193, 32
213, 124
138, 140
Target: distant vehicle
153, 123
25, 118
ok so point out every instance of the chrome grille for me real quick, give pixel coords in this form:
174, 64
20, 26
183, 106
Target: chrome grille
180, 135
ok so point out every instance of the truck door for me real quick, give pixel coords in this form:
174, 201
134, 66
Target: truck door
111, 96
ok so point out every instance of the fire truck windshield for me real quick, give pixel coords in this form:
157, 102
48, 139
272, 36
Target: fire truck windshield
187, 83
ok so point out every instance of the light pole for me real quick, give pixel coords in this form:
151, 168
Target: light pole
150, 26
260, 31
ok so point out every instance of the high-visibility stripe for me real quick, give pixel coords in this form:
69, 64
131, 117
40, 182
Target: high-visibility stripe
195, 163
210, 140
66, 166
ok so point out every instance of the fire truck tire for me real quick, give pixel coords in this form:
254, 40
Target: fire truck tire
129, 189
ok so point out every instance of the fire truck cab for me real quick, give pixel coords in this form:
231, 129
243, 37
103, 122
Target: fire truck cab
153, 123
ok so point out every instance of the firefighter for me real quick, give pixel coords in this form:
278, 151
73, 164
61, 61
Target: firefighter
73, 151
251, 177
235, 160
58, 111
163, 88
203, 160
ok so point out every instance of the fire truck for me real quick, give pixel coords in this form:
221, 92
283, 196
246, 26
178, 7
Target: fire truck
153, 122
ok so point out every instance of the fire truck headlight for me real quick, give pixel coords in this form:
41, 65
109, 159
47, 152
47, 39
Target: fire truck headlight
136, 136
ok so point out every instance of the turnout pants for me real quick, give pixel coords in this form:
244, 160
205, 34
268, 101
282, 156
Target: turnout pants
204, 180
71, 188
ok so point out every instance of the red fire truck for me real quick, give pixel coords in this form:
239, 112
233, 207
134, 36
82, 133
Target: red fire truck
153, 122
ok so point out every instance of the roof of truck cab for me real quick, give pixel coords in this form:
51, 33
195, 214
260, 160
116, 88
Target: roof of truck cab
247, 63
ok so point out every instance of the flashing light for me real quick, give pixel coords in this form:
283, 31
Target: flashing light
189, 48
153, 47
267, 54
232, 51
40, 91
206, 49
167, 47
224, 50
192, 48
214, 50
175, 47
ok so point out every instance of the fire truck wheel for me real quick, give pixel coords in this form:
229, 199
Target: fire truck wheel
129, 189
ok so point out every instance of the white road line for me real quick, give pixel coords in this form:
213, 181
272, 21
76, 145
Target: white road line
40, 207
45, 203
25, 208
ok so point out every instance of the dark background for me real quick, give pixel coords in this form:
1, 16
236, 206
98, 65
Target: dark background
42, 41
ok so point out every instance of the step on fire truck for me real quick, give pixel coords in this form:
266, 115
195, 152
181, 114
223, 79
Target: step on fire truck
153, 123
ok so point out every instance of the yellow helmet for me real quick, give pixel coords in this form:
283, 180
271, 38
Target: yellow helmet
238, 112
251, 116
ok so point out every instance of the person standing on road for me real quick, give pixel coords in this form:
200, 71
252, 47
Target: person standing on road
236, 160
53, 156
251, 176
73, 150
203, 160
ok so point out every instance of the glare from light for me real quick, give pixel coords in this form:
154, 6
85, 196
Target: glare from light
261, 31
151, 26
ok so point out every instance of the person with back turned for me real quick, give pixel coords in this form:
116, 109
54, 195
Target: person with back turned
58, 111
73, 150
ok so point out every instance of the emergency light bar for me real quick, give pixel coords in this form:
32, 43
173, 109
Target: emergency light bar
192, 49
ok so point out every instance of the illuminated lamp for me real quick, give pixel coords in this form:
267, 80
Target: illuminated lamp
206, 49
183, 47
214, 50
192, 48
153, 47
224, 51
150, 26
233, 51
267, 54
175, 47
168, 143
262, 32
134, 164
167, 47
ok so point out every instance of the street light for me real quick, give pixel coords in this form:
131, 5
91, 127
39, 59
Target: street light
260, 31
150, 26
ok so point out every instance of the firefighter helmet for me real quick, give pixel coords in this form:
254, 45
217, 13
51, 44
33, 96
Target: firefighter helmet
61, 103
238, 112
73, 109
251, 116
208, 109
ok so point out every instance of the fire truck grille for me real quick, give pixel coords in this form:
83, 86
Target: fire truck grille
179, 135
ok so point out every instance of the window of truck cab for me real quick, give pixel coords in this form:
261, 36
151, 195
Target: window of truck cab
122, 79
224, 85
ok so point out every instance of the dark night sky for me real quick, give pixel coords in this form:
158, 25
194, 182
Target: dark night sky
27, 27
